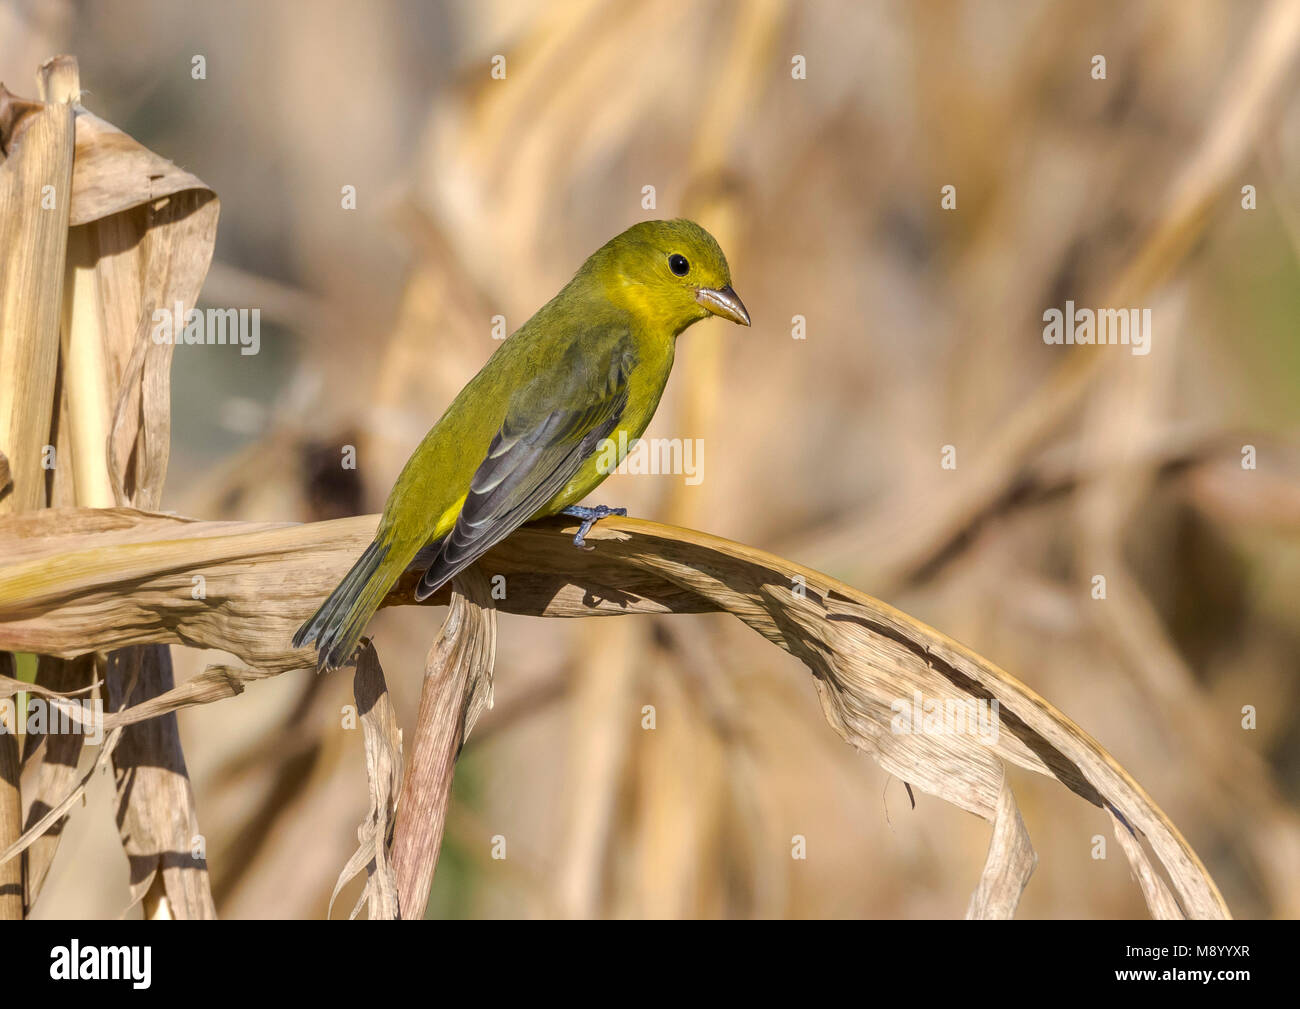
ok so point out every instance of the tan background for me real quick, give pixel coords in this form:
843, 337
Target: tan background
478, 197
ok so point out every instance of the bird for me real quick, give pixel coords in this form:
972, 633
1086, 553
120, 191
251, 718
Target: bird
544, 421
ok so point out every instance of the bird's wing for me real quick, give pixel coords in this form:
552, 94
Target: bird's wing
539, 449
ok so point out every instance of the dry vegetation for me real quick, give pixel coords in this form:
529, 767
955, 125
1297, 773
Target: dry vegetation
924, 330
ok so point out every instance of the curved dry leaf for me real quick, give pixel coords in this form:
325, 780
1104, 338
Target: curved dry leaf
1154, 889
53, 755
1011, 860
74, 577
383, 742
156, 817
114, 172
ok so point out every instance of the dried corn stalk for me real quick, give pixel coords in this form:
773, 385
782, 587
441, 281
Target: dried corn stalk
457, 689
106, 231
36, 145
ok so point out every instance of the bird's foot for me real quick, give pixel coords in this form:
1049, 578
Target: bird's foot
589, 516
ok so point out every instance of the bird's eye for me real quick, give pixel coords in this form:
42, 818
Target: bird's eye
678, 265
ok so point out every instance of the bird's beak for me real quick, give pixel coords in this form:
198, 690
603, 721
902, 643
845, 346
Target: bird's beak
724, 302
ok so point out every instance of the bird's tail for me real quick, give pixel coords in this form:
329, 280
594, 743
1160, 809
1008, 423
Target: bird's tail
336, 627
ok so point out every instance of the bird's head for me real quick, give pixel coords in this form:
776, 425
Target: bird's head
668, 271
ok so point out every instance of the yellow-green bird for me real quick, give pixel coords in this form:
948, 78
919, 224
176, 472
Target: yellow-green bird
524, 438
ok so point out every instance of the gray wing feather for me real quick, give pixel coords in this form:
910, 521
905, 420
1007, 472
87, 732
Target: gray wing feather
527, 464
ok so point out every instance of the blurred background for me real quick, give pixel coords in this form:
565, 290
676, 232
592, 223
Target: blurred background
478, 197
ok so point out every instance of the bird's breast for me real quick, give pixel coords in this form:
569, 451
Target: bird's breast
645, 387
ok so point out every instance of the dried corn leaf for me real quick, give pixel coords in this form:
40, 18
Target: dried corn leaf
1154, 889
69, 578
145, 231
383, 742
155, 812
1010, 862
53, 755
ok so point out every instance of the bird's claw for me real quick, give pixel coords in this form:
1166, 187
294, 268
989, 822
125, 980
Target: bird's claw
589, 517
